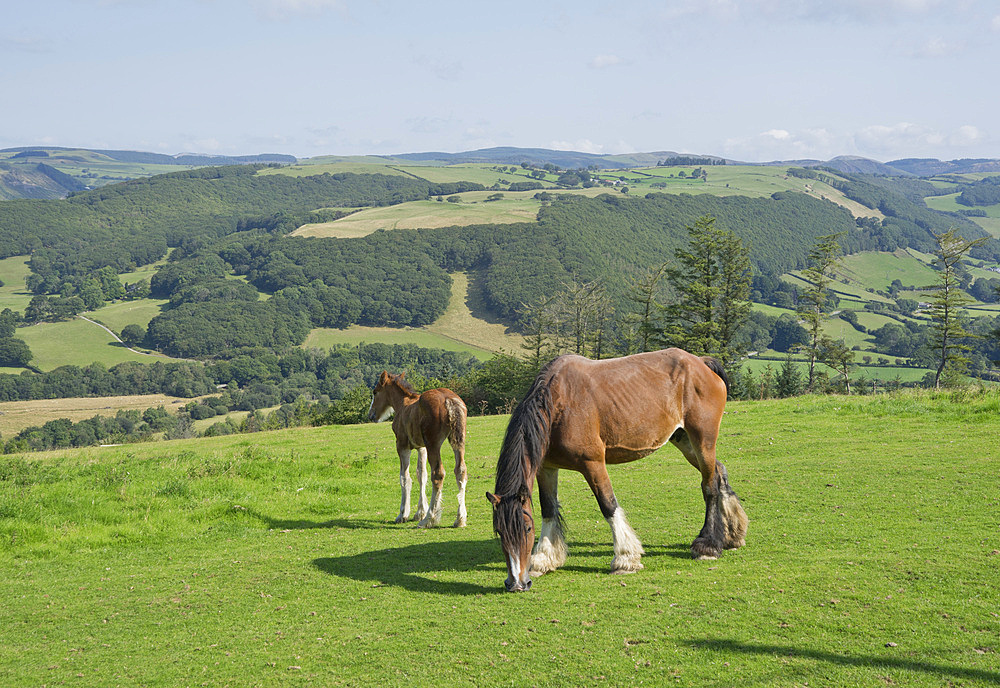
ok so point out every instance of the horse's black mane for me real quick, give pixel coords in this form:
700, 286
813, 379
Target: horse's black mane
716, 367
527, 437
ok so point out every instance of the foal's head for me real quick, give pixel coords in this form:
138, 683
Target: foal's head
381, 407
514, 522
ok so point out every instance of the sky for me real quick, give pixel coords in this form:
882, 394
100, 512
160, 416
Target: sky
753, 80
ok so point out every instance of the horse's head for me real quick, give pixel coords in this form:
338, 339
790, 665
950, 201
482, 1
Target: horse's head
381, 407
514, 523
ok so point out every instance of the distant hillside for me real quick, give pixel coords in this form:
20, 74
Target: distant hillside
196, 159
35, 180
928, 167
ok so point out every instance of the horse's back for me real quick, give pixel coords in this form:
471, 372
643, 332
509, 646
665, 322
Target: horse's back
634, 403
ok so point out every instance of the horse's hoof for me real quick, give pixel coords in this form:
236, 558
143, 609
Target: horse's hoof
459, 523
703, 550
626, 565
736, 545
400, 519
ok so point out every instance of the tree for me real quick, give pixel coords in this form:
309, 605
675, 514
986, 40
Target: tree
644, 291
133, 335
14, 353
712, 281
539, 318
946, 329
789, 380
837, 355
813, 298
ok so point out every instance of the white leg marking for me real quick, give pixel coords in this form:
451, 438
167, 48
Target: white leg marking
628, 549
422, 481
462, 513
404, 485
550, 552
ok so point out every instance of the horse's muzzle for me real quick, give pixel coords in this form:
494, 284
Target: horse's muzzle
517, 586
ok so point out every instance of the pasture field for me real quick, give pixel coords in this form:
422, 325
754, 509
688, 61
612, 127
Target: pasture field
271, 559
878, 269
121, 313
880, 373
328, 337
14, 294
18, 415
458, 329
77, 342
472, 210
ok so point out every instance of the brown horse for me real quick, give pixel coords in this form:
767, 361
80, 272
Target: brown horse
423, 422
581, 415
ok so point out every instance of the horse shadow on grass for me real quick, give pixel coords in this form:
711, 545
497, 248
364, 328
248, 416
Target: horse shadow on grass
416, 567
303, 524
936, 670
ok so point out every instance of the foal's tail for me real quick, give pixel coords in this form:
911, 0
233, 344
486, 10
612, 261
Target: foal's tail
456, 420
716, 367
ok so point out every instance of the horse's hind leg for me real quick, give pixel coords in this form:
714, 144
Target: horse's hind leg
461, 477
421, 483
628, 549
725, 521
404, 483
550, 552
433, 515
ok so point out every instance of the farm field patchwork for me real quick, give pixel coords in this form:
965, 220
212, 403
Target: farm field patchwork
270, 559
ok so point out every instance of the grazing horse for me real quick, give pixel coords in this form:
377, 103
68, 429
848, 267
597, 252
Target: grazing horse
423, 422
581, 415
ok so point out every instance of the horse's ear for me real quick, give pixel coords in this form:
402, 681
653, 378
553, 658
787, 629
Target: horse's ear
384, 377
494, 500
401, 375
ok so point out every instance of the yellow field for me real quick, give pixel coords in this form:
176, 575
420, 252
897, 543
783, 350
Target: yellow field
472, 210
17, 415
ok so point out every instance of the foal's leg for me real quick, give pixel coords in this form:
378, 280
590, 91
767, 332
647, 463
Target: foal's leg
422, 483
628, 549
433, 515
461, 477
725, 521
404, 483
550, 552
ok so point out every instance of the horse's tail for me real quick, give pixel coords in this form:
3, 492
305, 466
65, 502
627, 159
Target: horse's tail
527, 438
716, 367
456, 420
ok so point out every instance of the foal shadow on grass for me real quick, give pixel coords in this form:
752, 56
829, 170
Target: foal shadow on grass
901, 663
417, 567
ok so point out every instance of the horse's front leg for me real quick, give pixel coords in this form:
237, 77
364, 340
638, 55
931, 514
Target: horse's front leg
461, 478
404, 483
628, 549
421, 483
433, 515
550, 552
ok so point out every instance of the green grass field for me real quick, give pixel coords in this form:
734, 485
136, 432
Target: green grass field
270, 559
878, 269
76, 342
13, 293
137, 312
326, 337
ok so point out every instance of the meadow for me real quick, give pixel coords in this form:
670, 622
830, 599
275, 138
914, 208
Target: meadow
271, 559
78, 342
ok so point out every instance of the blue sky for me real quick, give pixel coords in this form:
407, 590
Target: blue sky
748, 79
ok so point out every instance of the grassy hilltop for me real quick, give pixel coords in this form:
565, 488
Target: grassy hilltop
270, 559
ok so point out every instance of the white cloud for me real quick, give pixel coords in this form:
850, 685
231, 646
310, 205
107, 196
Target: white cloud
781, 144
604, 61
286, 9
936, 47
588, 146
